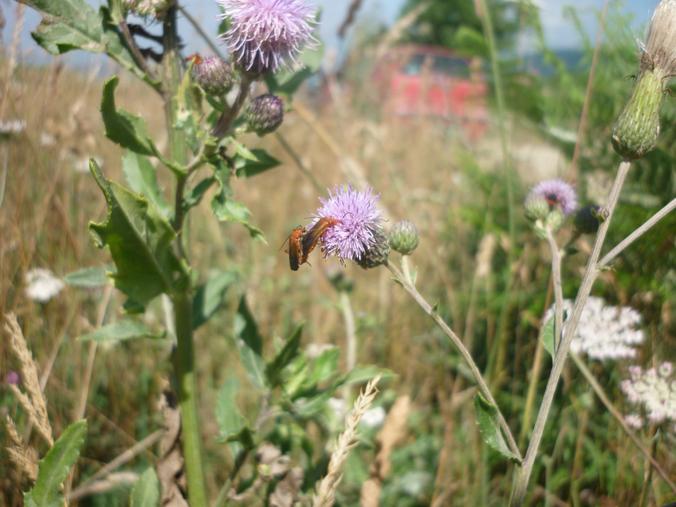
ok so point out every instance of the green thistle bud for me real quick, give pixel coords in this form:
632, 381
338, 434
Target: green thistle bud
638, 127
377, 254
265, 114
537, 207
588, 218
554, 220
404, 237
636, 130
148, 8
213, 75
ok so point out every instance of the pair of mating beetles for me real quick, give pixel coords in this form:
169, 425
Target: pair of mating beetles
301, 241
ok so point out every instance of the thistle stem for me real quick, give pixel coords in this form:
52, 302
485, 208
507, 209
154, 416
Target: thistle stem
558, 289
591, 273
183, 354
408, 286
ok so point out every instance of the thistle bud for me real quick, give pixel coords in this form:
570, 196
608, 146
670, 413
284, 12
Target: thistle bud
404, 237
588, 218
265, 114
636, 131
213, 75
536, 207
377, 253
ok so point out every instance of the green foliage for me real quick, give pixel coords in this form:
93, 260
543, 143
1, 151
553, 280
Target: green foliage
74, 24
142, 179
87, 278
210, 296
487, 420
232, 426
55, 466
139, 239
123, 128
288, 81
122, 330
250, 344
146, 491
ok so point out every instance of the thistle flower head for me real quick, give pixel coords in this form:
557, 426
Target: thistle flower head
265, 34
265, 114
604, 331
359, 224
213, 74
557, 194
660, 48
654, 389
588, 218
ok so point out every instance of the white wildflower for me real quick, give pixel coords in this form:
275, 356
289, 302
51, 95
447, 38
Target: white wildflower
604, 331
47, 139
12, 127
373, 417
42, 285
634, 421
654, 389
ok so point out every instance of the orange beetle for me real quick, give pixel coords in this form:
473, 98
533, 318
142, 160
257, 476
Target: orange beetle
312, 237
195, 58
295, 248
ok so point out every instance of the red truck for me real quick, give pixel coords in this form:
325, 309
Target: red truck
431, 81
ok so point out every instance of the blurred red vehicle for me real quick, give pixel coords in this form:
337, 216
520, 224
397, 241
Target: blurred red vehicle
431, 81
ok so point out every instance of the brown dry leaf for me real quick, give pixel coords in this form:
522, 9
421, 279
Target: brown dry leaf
170, 469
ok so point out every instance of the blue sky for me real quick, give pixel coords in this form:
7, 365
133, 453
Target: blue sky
559, 30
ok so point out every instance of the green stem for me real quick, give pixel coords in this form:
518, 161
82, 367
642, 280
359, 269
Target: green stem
183, 355
184, 367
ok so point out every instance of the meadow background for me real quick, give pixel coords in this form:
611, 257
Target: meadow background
491, 288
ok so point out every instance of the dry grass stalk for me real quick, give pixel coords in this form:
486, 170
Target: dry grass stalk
326, 492
394, 431
33, 402
24, 458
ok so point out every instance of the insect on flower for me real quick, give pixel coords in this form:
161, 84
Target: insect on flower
195, 58
295, 248
312, 237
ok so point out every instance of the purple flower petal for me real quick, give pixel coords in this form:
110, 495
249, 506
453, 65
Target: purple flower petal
265, 34
557, 193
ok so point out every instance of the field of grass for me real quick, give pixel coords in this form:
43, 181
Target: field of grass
492, 286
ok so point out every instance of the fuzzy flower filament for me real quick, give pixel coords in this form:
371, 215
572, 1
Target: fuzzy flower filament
359, 228
265, 35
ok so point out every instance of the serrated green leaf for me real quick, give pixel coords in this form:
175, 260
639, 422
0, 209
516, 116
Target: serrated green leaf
74, 24
123, 128
88, 278
140, 242
146, 491
250, 343
487, 419
310, 406
211, 296
122, 330
288, 353
194, 196
259, 162
55, 466
230, 421
142, 179
226, 209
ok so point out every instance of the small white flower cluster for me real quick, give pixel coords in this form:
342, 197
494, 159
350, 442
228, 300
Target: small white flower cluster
42, 285
655, 390
604, 331
12, 127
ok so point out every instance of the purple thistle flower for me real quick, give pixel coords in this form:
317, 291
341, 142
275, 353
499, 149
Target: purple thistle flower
557, 193
359, 226
266, 34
